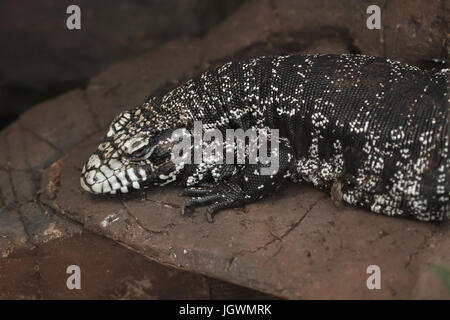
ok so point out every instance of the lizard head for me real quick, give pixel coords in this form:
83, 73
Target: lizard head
134, 154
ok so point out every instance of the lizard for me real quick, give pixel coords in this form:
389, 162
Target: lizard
371, 131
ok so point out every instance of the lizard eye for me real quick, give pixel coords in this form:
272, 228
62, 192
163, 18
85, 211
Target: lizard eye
140, 153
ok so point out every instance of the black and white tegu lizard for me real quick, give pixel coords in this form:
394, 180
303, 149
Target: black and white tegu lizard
371, 131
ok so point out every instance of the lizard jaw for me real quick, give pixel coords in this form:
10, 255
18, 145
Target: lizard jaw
111, 177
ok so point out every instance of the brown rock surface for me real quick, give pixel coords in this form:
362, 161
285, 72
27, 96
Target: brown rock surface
294, 244
108, 271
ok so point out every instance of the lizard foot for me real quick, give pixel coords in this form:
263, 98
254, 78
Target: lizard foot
218, 197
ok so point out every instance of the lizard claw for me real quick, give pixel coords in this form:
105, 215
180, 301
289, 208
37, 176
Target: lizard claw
219, 198
209, 216
183, 208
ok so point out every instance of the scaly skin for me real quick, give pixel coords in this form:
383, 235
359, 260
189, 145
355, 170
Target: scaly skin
372, 131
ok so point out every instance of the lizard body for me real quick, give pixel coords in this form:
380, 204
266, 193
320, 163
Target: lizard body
373, 132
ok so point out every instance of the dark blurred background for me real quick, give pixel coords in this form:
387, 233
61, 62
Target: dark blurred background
40, 58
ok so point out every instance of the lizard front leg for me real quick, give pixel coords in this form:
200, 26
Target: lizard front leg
250, 183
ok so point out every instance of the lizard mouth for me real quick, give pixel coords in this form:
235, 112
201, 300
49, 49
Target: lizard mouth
111, 177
